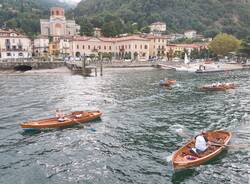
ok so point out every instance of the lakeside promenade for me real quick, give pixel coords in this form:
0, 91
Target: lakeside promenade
161, 64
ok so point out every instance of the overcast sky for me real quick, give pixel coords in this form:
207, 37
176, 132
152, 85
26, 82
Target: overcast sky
73, 0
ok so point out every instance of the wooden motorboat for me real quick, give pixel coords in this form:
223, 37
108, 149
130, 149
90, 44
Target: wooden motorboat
229, 85
183, 158
69, 120
213, 88
218, 87
168, 83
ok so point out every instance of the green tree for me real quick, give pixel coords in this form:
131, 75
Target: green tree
224, 43
145, 29
86, 28
245, 48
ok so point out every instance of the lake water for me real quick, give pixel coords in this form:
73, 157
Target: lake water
141, 126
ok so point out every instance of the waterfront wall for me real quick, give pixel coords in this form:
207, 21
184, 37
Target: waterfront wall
33, 64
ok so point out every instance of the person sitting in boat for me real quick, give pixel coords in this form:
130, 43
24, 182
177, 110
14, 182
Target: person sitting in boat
201, 143
78, 115
162, 82
60, 115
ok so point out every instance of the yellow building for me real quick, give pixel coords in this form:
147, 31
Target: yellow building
157, 45
54, 48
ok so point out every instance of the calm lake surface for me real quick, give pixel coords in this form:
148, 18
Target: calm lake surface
141, 126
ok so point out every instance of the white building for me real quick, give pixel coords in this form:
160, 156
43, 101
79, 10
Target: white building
175, 36
14, 45
158, 27
190, 34
97, 32
57, 25
65, 45
41, 45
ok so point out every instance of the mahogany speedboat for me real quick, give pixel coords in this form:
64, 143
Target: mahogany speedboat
69, 120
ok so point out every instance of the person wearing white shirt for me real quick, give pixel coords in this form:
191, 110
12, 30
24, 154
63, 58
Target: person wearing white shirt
201, 143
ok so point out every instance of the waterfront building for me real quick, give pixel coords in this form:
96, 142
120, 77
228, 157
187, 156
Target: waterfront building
14, 45
157, 45
57, 25
54, 48
158, 27
41, 46
185, 47
64, 46
127, 47
190, 34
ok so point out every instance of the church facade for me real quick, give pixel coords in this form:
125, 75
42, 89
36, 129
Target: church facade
57, 25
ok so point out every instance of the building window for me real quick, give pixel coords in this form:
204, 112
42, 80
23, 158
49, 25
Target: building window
140, 46
109, 47
159, 40
20, 54
135, 46
89, 47
129, 46
57, 12
104, 47
77, 46
146, 47
99, 47
83, 47
8, 54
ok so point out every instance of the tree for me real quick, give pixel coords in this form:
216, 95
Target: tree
245, 48
224, 43
86, 28
145, 29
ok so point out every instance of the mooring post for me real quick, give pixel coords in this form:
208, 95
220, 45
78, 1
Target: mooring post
101, 64
83, 65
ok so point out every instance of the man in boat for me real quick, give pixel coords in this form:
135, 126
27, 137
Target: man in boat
60, 115
201, 143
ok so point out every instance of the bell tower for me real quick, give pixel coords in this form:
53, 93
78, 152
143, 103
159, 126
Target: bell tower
57, 12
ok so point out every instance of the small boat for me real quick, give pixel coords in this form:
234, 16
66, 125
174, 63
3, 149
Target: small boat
167, 83
183, 158
69, 120
218, 87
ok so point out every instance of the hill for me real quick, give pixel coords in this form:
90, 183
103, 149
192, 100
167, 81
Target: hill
206, 16
25, 14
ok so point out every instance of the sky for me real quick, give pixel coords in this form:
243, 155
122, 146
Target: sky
73, 1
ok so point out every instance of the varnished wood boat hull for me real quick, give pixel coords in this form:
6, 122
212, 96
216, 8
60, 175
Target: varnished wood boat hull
223, 87
71, 119
179, 161
168, 83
